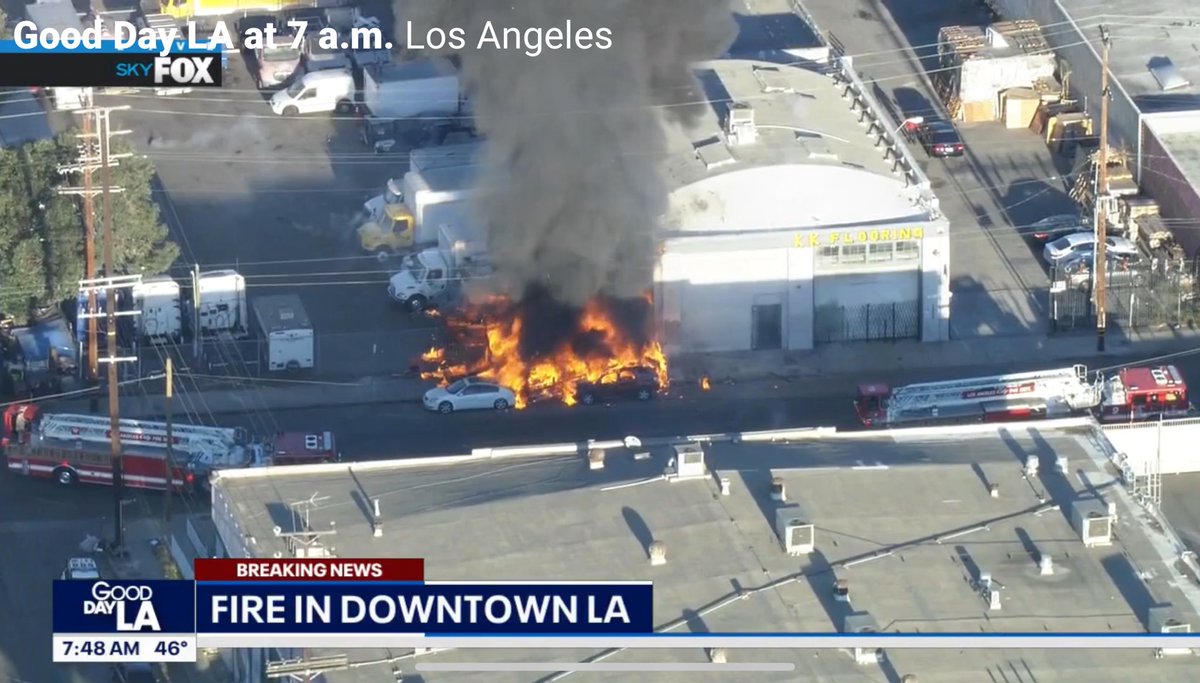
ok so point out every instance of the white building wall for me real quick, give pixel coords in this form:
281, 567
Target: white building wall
1144, 444
798, 307
711, 294
935, 284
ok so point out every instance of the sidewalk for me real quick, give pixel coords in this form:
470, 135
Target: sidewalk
830, 370
141, 561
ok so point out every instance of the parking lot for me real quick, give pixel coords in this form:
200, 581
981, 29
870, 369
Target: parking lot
274, 198
1007, 179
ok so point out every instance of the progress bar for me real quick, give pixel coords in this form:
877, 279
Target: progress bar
626, 667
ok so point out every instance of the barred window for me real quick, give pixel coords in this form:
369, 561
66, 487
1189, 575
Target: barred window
879, 251
828, 255
908, 250
854, 253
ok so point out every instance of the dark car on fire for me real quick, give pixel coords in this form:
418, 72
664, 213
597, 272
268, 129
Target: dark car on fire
639, 383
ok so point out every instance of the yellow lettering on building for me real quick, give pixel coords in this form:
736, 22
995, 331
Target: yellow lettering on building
818, 239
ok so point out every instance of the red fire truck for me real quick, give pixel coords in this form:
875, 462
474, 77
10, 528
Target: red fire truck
1132, 394
74, 448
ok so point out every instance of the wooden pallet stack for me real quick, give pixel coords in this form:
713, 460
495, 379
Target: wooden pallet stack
1023, 34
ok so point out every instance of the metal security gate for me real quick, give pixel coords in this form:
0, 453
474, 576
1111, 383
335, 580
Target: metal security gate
867, 307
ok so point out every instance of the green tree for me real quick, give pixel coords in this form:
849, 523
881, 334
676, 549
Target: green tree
41, 230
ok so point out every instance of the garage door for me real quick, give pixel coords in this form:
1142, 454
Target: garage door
866, 306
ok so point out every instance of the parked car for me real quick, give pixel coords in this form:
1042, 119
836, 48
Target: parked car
1076, 270
628, 383
1053, 227
1085, 241
940, 139
469, 394
277, 63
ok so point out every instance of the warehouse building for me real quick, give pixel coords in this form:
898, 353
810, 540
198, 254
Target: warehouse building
1154, 112
796, 217
936, 533
797, 220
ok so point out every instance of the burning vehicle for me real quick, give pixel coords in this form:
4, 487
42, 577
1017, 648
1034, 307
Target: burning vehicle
544, 351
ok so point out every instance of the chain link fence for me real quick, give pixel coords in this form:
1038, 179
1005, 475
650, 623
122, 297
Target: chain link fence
867, 322
1158, 292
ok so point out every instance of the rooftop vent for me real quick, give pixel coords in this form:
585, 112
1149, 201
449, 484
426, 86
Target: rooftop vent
740, 127
990, 590
841, 591
1167, 74
1060, 464
658, 553
796, 532
778, 490
718, 655
1031, 465
1166, 619
1093, 522
689, 461
714, 154
1045, 565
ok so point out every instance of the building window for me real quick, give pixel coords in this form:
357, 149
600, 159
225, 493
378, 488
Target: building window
879, 251
854, 253
828, 255
908, 250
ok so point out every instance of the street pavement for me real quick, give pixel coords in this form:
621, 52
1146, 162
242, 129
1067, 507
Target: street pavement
1008, 178
382, 419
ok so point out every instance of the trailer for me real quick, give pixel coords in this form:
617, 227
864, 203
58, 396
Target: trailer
76, 448
286, 334
1015, 396
1131, 394
416, 94
221, 303
161, 310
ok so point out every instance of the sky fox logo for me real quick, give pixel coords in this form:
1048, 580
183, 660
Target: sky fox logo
172, 70
121, 602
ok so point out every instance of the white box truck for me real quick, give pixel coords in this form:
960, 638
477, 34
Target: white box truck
60, 15
285, 333
161, 319
404, 98
438, 190
221, 303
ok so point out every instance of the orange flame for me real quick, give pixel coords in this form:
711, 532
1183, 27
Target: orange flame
705, 384
554, 376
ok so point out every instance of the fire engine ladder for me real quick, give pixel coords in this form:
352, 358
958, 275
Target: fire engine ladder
951, 392
95, 428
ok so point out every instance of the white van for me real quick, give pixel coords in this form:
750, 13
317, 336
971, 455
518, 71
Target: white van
317, 92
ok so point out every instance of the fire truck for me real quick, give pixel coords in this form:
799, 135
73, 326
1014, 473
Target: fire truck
1138, 393
74, 448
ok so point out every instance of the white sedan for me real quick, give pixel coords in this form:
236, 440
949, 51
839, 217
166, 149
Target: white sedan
469, 394
1085, 241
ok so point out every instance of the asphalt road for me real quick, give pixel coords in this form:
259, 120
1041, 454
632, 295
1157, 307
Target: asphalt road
401, 430
1008, 178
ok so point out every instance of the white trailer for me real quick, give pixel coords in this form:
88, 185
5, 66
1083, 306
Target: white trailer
221, 303
287, 337
60, 15
158, 300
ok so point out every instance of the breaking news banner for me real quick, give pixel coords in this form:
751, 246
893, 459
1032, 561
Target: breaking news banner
263, 602
87, 58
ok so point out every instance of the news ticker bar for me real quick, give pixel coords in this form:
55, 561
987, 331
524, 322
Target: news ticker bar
107, 69
813, 641
183, 647
611, 667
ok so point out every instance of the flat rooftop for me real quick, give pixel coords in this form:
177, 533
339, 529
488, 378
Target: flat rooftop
799, 115
921, 504
1148, 32
1180, 135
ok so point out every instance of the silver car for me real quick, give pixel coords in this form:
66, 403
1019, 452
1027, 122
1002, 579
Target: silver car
1086, 241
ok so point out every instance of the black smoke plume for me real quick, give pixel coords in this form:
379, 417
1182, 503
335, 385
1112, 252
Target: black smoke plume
575, 138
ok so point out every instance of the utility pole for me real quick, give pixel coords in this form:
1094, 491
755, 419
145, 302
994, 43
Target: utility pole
110, 285
197, 337
170, 479
1100, 260
89, 161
